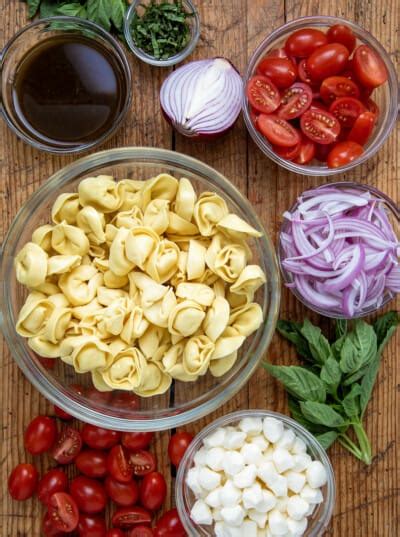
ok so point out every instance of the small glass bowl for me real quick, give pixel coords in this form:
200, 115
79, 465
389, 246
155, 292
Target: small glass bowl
386, 96
318, 521
393, 212
33, 34
194, 27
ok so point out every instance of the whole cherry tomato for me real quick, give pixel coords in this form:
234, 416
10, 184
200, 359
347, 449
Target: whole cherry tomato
126, 400
135, 441
127, 517
115, 532
141, 531
320, 126
118, 465
338, 86
142, 462
362, 128
68, 446
92, 462
295, 101
123, 494
281, 71
328, 60
153, 490
347, 110
343, 153
372, 107
169, 525
340, 33
48, 528
369, 67
89, 494
91, 526
22, 482
177, 445
40, 435
306, 152
60, 413
262, 94
303, 42
279, 53
63, 512
99, 438
55, 480
278, 131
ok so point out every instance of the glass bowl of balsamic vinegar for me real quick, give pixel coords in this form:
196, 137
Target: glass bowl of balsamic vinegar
65, 84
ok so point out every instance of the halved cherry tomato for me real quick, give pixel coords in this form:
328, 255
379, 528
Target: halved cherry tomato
141, 531
118, 465
89, 494
40, 435
92, 463
281, 71
262, 93
126, 400
60, 413
48, 528
340, 33
177, 445
347, 110
55, 480
295, 101
348, 73
319, 105
153, 490
91, 526
135, 441
334, 87
304, 75
306, 152
343, 153
22, 482
126, 517
303, 42
123, 494
115, 532
68, 446
169, 525
278, 131
288, 153
369, 67
362, 128
328, 60
372, 107
63, 512
142, 462
98, 397
320, 126
99, 438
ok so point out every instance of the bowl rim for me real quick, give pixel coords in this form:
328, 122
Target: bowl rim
57, 395
393, 89
187, 462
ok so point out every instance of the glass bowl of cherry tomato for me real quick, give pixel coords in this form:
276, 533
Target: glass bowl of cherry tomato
321, 95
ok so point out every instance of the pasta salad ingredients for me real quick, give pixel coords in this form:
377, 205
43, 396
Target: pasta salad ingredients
140, 282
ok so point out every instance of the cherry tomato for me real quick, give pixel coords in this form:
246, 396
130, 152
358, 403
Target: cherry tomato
178, 444
40, 435
141, 531
262, 93
92, 462
22, 482
135, 441
48, 528
60, 413
278, 131
55, 480
115, 532
278, 53
340, 33
99, 438
127, 400
369, 67
91, 526
89, 494
98, 397
302, 43
304, 75
306, 152
281, 71
328, 60
347, 110
317, 104
169, 525
320, 126
343, 153
334, 87
126, 517
118, 465
295, 101
153, 490
142, 462
68, 446
372, 107
123, 494
362, 128
63, 512
288, 153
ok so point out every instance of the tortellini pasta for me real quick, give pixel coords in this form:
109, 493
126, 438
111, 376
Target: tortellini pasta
138, 283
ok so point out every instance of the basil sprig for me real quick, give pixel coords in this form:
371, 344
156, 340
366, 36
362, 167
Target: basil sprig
329, 394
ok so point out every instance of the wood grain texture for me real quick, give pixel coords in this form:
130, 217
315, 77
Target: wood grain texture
368, 498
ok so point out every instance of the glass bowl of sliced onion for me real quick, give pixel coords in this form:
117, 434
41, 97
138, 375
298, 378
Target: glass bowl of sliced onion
339, 249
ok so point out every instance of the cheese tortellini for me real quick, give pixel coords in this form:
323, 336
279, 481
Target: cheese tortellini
139, 283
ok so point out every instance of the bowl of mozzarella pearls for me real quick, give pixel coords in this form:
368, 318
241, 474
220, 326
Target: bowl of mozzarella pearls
145, 278
255, 473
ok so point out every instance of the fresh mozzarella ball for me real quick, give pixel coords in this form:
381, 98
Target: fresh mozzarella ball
311, 495
299, 446
192, 480
251, 453
297, 527
267, 503
214, 458
287, 439
216, 513
301, 462
209, 479
311, 509
251, 426
277, 483
259, 518
246, 477
268, 454
219, 529
229, 494
215, 439
282, 459
277, 523
249, 528
316, 474
297, 507
201, 513
252, 496
234, 440
200, 457
260, 441
213, 498
233, 463
295, 481
233, 515
273, 429
281, 504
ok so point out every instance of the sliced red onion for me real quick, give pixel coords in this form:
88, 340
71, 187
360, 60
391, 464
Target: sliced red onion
202, 98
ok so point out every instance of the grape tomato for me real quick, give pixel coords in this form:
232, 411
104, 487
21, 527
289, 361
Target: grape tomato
295, 101
343, 153
277, 130
328, 60
92, 463
99, 438
63, 512
302, 43
340, 33
320, 126
123, 494
118, 464
141, 531
48, 528
347, 110
288, 153
115, 532
40, 435
91, 526
60, 413
68, 445
153, 490
135, 441
304, 75
334, 87
281, 71
126, 517
177, 445
262, 94
369, 68
142, 462
54, 480
362, 128
169, 525
89, 494
306, 151
22, 482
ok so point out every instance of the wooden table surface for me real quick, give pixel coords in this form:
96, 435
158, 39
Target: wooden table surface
368, 499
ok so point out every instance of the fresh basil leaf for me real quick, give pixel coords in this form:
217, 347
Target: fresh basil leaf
321, 414
351, 403
355, 376
118, 8
341, 326
326, 439
336, 347
75, 9
33, 6
49, 8
364, 338
319, 345
350, 359
299, 382
292, 331
384, 327
331, 375
99, 11
295, 412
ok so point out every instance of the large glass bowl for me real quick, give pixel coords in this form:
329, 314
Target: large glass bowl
184, 402
386, 96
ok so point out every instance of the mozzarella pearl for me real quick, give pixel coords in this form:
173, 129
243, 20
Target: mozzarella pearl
273, 429
201, 513
297, 507
316, 474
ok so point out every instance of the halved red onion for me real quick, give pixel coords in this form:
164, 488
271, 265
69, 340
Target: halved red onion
202, 99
